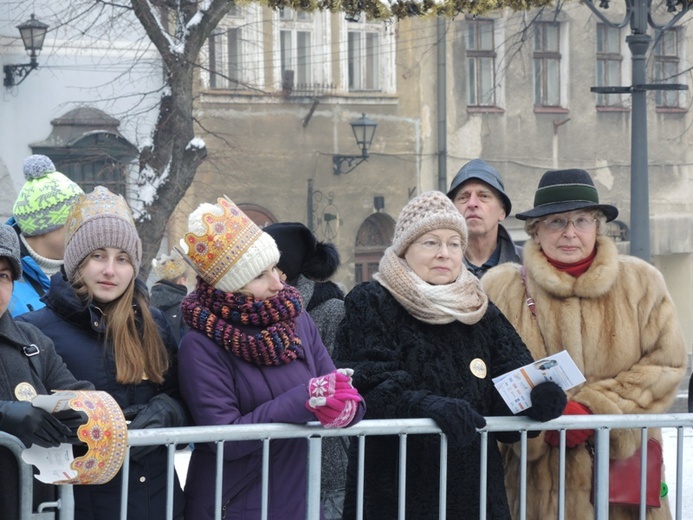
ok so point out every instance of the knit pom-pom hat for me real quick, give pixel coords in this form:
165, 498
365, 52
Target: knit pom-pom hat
45, 199
97, 220
430, 211
225, 247
301, 253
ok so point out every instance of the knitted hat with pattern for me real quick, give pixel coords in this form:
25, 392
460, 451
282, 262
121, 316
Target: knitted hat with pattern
97, 220
225, 247
430, 211
9, 248
45, 199
169, 267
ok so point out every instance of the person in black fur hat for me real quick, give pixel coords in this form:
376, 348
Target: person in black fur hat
308, 264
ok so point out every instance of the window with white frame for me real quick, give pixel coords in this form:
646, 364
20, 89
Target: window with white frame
547, 64
364, 56
666, 63
609, 64
367, 52
296, 46
234, 50
481, 63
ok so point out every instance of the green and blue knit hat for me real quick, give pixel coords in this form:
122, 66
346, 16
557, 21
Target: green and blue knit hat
45, 199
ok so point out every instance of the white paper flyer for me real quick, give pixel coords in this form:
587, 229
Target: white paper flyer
515, 386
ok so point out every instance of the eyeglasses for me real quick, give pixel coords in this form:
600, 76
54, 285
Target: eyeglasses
431, 245
582, 223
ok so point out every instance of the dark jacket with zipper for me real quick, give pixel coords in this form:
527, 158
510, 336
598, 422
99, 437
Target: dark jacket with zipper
45, 375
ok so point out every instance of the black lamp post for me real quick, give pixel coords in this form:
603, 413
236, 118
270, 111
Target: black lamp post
639, 16
33, 33
364, 130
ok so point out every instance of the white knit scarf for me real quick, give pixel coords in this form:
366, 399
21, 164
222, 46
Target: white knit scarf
463, 300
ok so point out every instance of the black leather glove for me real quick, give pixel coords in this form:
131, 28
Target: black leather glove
455, 417
73, 419
162, 411
32, 425
548, 402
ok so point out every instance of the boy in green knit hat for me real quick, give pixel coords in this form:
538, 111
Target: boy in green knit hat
39, 216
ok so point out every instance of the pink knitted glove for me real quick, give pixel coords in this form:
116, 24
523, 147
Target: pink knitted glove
337, 412
333, 399
320, 388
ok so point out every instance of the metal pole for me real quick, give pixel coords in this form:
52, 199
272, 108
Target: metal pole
442, 106
639, 42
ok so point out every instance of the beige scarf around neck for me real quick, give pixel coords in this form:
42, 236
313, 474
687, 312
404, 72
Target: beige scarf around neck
463, 300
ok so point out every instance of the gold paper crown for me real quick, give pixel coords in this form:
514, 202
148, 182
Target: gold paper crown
225, 239
169, 267
99, 202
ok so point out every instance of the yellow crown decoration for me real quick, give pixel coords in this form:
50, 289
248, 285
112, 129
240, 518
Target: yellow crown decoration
225, 239
169, 267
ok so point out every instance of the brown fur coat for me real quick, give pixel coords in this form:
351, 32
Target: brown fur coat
619, 325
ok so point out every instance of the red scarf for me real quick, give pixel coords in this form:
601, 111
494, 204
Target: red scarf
577, 268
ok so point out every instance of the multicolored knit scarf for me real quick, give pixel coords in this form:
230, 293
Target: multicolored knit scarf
222, 316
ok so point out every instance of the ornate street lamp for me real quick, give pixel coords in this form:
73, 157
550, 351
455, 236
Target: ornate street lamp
639, 16
364, 130
33, 33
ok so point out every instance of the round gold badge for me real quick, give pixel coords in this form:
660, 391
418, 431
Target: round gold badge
24, 392
478, 368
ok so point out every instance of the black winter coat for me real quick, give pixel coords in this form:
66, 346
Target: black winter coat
397, 359
166, 296
16, 368
79, 336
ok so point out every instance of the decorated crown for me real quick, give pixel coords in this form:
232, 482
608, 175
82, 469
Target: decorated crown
169, 267
218, 238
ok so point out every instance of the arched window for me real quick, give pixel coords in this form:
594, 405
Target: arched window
373, 237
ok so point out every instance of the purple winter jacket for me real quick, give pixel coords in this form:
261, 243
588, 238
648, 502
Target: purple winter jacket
221, 388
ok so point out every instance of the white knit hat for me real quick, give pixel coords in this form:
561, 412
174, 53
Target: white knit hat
429, 211
225, 247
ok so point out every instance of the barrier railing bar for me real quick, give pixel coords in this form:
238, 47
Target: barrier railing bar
265, 478
679, 473
219, 480
313, 491
561, 475
170, 472
483, 475
401, 499
443, 491
361, 477
124, 485
643, 472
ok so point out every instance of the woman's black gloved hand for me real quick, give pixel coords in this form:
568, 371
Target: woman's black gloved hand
548, 402
32, 425
456, 417
162, 411
73, 419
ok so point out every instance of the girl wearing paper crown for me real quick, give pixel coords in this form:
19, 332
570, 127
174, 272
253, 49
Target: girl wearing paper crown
252, 355
425, 342
98, 316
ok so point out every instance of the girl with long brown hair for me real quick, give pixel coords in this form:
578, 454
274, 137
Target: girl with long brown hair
98, 316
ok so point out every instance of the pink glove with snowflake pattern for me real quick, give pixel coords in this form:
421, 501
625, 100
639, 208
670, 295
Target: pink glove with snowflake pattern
333, 399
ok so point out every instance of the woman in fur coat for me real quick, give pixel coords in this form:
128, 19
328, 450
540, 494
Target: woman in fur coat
613, 315
425, 342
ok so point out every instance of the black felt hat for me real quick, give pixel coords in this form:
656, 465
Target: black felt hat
302, 253
566, 190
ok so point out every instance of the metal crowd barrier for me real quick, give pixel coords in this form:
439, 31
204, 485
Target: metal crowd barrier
404, 428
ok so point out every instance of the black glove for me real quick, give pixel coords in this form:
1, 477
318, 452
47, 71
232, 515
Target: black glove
162, 411
455, 417
32, 425
73, 419
548, 402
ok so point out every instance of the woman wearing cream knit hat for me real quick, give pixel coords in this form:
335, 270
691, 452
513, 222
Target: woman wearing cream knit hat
425, 342
100, 321
252, 355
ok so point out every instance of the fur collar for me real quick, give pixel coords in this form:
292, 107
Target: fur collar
594, 283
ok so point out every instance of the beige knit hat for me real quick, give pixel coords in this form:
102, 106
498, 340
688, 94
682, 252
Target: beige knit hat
225, 247
100, 219
429, 211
